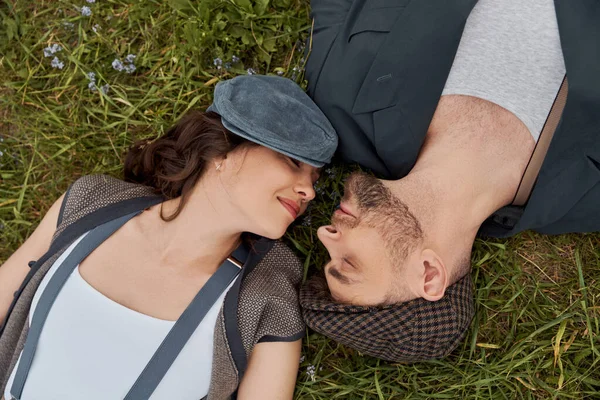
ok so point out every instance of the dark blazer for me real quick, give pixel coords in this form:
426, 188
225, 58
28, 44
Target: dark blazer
377, 69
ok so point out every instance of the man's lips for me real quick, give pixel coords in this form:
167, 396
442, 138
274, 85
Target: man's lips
290, 205
345, 210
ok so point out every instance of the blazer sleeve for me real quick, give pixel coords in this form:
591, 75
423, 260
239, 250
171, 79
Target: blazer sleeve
270, 298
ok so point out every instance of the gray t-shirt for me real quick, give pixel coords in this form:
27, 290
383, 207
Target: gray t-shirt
510, 55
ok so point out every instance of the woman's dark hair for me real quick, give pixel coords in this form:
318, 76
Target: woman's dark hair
172, 164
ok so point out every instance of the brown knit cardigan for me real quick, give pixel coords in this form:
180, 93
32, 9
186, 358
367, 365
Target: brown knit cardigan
262, 306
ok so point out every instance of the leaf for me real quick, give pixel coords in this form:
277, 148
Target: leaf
269, 45
247, 37
264, 57
260, 6
558, 339
12, 30
212, 81
120, 100
245, 4
180, 5
528, 386
221, 25
236, 31
488, 345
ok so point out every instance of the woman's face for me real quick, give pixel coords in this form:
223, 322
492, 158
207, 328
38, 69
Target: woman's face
269, 189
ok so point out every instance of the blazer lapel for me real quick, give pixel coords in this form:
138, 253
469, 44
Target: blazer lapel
415, 60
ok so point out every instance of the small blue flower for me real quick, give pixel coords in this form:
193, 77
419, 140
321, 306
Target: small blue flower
91, 1
251, 71
105, 88
92, 86
307, 221
118, 65
56, 63
51, 50
217, 62
96, 28
310, 371
129, 68
86, 11
91, 76
130, 58
235, 59
279, 73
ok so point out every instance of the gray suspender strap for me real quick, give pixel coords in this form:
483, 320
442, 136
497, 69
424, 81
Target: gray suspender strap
541, 148
173, 342
180, 333
82, 250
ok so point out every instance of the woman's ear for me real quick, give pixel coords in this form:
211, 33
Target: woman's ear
219, 163
435, 275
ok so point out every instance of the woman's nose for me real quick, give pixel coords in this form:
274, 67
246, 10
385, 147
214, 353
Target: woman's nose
306, 190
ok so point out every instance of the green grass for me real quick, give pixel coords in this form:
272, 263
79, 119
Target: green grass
535, 334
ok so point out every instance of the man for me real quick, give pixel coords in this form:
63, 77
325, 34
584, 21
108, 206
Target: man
446, 101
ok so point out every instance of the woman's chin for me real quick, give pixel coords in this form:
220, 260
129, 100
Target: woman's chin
274, 233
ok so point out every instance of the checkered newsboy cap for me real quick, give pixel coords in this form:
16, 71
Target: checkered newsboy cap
414, 331
275, 112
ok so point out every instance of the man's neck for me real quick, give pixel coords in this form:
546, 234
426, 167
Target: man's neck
470, 165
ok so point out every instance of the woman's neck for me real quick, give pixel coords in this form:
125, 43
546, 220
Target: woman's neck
202, 235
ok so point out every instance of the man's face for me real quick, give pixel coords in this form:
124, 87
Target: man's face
362, 241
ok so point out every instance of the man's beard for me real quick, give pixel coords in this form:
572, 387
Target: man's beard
371, 197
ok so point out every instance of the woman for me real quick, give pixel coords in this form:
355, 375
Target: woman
137, 290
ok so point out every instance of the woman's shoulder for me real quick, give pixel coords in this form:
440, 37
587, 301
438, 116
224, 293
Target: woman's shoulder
281, 262
90, 193
268, 308
90, 189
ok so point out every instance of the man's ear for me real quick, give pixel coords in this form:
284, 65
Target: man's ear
435, 275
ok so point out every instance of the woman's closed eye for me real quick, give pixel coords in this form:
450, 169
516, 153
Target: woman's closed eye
295, 162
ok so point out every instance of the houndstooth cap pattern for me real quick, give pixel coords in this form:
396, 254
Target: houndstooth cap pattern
414, 331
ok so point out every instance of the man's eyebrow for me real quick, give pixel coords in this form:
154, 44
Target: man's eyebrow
339, 276
353, 263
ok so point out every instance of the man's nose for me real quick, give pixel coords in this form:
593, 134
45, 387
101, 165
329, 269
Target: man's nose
328, 234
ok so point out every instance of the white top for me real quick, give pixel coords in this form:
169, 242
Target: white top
510, 55
94, 348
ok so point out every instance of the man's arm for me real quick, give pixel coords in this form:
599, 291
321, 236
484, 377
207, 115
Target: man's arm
272, 371
14, 270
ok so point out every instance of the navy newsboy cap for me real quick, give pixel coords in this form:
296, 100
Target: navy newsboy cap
275, 112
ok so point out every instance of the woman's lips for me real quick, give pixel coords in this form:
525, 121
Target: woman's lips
291, 206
